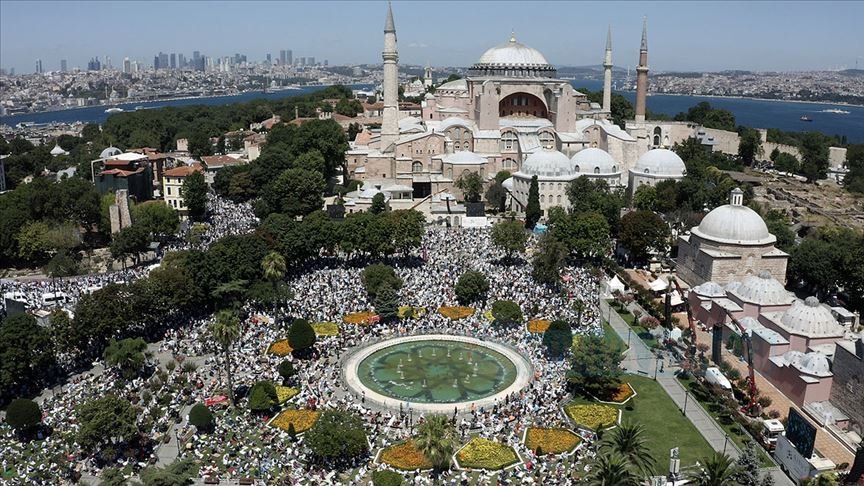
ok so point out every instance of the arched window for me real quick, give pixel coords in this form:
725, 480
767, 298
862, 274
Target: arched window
559, 198
576, 168
542, 199
509, 164
450, 172
508, 141
596, 170
547, 140
657, 134
647, 170
417, 166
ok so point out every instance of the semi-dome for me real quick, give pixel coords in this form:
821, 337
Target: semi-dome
513, 59
548, 163
810, 318
762, 289
709, 289
812, 363
110, 152
735, 224
594, 161
464, 158
660, 162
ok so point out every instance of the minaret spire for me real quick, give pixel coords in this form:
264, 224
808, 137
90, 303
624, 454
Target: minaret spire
390, 121
642, 74
607, 73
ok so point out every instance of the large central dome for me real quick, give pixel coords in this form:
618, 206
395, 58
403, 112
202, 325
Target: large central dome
513, 59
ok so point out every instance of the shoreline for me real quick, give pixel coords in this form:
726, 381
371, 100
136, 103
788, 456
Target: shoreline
832, 103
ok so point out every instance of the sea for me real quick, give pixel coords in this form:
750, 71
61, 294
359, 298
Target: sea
784, 115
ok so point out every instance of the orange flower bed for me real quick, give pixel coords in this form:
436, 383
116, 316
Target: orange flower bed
456, 313
623, 392
538, 325
405, 456
360, 318
303, 420
280, 348
551, 441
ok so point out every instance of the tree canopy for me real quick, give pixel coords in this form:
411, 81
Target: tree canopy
471, 287
337, 434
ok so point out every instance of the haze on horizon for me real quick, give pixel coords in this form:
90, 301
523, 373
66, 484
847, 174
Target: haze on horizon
682, 36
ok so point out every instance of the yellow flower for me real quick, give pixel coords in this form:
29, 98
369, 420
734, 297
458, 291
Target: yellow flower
551, 441
325, 328
481, 453
405, 456
538, 325
594, 417
303, 420
488, 316
456, 313
280, 348
285, 393
361, 318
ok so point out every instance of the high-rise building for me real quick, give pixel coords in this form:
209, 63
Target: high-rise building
289, 57
127, 65
163, 60
181, 61
325, 62
269, 60
283, 57
94, 64
107, 62
302, 61
63, 67
38, 66
310, 61
173, 61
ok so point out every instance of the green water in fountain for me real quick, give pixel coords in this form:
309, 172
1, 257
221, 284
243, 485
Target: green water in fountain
436, 371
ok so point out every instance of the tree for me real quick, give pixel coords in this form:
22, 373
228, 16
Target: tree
594, 366
225, 330
532, 209
286, 370
201, 417
471, 287
436, 439
750, 145
585, 194
301, 336
612, 470
23, 415
384, 477
26, 355
496, 197
630, 441
643, 232
854, 179
510, 236
506, 312
104, 419
824, 479
337, 434
195, 195
129, 241
273, 266
178, 473
387, 304
379, 204
548, 260
199, 144
717, 470
157, 218
378, 276
585, 234
558, 338
129, 355
295, 192
471, 185
787, 163
747, 468
814, 152
645, 198
408, 229
262, 397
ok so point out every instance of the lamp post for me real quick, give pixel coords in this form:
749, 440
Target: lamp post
629, 330
656, 367
725, 441
686, 396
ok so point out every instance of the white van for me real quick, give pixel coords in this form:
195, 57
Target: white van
715, 376
52, 298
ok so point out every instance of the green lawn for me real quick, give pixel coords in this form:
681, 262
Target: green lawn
735, 431
612, 338
638, 330
665, 426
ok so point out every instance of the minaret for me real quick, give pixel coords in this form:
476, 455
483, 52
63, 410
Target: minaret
642, 75
607, 73
390, 123
427, 76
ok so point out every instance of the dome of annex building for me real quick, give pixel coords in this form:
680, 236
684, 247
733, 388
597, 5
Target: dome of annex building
661, 162
810, 318
762, 289
735, 224
548, 164
110, 152
513, 58
812, 363
594, 161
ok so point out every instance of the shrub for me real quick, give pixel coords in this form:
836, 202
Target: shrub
23, 414
201, 417
286, 369
506, 311
471, 286
558, 338
764, 401
337, 434
379, 276
648, 322
262, 397
386, 478
301, 336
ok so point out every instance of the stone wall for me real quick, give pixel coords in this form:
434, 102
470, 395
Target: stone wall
848, 389
727, 142
768, 147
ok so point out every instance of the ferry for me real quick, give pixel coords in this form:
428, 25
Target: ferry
836, 110
114, 110
806, 118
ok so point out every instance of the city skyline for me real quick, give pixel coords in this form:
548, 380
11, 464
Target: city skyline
441, 33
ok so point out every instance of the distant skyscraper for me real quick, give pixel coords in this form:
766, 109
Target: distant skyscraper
127, 65
94, 64
325, 62
289, 58
283, 57
163, 60
63, 65
181, 61
107, 62
38, 66
302, 61
310, 61
173, 61
269, 60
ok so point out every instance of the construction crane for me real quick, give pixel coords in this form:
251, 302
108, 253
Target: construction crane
690, 322
751, 407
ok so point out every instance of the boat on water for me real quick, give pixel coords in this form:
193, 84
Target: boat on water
836, 111
114, 110
806, 118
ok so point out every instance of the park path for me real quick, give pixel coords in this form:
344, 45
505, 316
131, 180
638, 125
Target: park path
641, 360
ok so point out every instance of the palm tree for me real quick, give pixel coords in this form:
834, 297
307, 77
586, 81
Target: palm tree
612, 469
436, 439
629, 441
225, 330
274, 268
717, 470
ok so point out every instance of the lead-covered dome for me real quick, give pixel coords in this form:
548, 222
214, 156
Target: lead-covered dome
810, 318
513, 59
762, 289
732, 223
594, 161
661, 162
110, 152
548, 164
812, 363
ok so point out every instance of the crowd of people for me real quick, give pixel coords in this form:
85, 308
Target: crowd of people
325, 290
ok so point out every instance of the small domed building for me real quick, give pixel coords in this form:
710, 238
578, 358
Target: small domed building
596, 163
731, 243
655, 166
554, 171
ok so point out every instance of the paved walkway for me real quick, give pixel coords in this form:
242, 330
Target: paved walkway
641, 360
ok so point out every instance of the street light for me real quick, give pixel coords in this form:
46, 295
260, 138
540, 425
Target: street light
725, 441
656, 367
686, 396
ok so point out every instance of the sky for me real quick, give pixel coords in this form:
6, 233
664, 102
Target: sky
682, 36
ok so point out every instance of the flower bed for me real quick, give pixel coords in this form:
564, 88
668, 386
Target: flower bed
594, 417
408, 312
456, 313
361, 318
325, 328
538, 325
405, 456
623, 393
280, 348
488, 316
551, 441
481, 453
303, 420
285, 393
